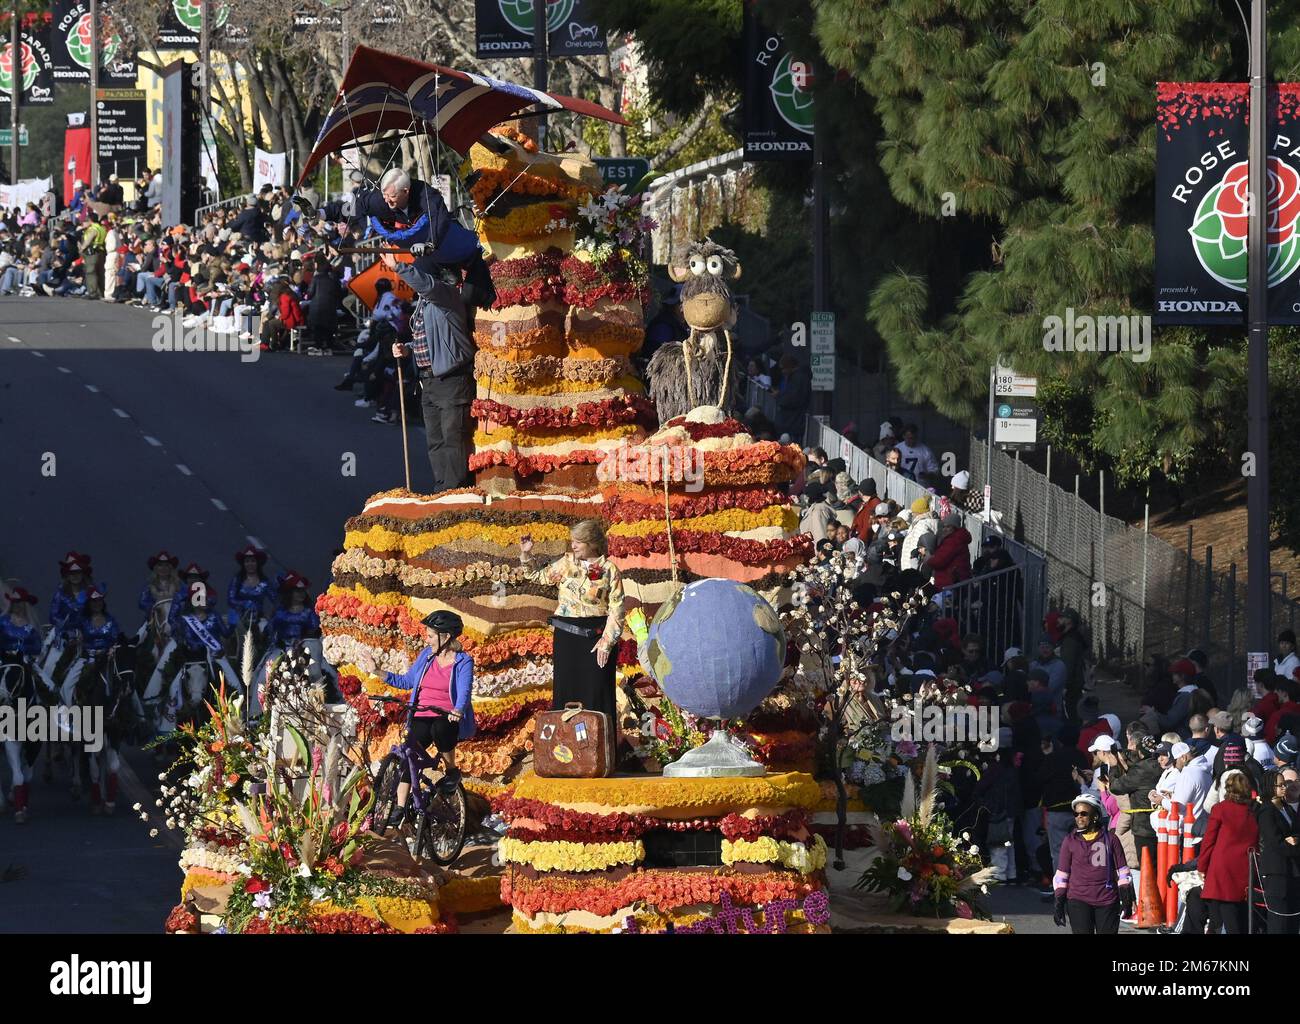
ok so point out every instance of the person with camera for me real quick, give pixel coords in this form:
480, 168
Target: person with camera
1092, 883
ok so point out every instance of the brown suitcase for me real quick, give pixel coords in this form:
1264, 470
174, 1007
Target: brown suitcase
573, 744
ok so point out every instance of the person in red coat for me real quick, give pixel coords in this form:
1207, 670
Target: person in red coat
286, 314
950, 563
1224, 858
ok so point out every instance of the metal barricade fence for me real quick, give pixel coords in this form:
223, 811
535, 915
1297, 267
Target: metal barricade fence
894, 487
991, 606
203, 211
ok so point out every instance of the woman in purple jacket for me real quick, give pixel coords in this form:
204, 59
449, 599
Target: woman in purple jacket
441, 681
1092, 880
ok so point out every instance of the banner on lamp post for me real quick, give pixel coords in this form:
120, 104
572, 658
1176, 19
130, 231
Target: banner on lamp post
1202, 203
504, 28
777, 99
71, 49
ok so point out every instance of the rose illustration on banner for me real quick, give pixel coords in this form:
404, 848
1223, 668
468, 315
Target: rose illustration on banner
79, 45
519, 14
794, 101
1222, 223
30, 70
190, 14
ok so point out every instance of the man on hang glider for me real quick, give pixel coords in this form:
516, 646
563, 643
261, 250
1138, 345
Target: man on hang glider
410, 214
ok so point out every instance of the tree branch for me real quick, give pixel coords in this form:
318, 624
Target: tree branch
687, 136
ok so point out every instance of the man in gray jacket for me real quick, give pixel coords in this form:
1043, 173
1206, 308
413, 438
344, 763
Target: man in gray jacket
444, 360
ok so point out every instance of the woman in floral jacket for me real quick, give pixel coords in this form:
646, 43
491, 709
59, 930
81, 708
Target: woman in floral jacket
588, 620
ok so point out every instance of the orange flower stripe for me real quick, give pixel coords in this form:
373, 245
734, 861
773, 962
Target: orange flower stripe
533, 439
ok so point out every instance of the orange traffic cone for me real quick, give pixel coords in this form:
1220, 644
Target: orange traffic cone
1162, 852
1151, 907
1175, 838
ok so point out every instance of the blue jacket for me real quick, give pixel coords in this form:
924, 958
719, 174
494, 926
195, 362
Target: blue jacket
98, 638
240, 597
462, 685
15, 639
288, 627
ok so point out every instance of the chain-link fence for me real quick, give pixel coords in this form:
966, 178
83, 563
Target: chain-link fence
1138, 594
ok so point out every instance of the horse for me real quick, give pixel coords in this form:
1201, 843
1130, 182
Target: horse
108, 682
151, 640
21, 679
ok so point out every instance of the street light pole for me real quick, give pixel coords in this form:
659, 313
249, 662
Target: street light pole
15, 89
1259, 585
540, 69
93, 178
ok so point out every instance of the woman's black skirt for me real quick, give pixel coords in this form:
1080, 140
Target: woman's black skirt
577, 676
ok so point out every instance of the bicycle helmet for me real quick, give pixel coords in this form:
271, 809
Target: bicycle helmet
445, 622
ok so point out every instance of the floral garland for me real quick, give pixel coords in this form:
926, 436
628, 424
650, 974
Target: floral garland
530, 465
765, 850
547, 372
727, 521
607, 412
209, 860
790, 825
491, 722
519, 343
420, 539
509, 131
658, 888
492, 181
617, 275
202, 878
623, 508
356, 561
570, 856
776, 789
463, 895
494, 755
181, 920
511, 680
526, 223
699, 431
747, 552
628, 826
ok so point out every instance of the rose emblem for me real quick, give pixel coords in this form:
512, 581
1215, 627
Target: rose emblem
1222, 222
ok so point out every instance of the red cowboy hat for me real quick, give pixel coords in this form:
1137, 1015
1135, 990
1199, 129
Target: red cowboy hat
94, 593
251, 552
164, 556
293, 581
194, 569
74, 561
18, 595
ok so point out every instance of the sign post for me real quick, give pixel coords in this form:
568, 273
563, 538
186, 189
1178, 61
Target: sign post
122, 125
1015, 410
821, 345
622, 170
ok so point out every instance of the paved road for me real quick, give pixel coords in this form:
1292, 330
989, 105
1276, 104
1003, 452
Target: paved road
117, 450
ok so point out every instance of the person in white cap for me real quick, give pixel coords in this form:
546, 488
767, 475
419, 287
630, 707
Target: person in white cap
1258, 748
1194, 781
888, 439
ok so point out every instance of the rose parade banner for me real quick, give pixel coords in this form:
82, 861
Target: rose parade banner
504, 28
71, 49
37, 75
777, 102
181, 23
1202, 214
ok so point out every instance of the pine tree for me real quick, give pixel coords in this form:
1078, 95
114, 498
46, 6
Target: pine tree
1039, 118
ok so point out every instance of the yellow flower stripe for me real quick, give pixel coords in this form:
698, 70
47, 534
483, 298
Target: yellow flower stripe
487, 790
199, 878
495, 705
554, 386
411, 545
470, 895
406, 915
653, 921
566, 856
727, 521
483, 438
776, 789
766, 850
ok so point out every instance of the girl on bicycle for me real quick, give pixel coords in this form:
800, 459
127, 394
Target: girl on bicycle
441, 678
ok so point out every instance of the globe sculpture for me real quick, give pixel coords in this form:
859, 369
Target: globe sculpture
716, 649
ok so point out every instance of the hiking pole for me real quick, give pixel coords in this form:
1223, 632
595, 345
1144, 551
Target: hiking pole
401, 400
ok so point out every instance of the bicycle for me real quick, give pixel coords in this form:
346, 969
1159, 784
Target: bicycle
439, 808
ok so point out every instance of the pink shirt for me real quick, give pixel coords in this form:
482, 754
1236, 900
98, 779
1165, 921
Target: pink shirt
435, 688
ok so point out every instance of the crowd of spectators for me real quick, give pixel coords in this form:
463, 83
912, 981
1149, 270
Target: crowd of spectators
257, 268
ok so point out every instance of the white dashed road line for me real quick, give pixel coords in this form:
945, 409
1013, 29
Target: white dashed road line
39, 355
122, 412
64, 369
219, 505
16, 341
184, 469
92, 389
153, 441
255, 542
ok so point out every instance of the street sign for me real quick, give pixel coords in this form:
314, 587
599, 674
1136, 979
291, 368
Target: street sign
121, 120
1015, 409
622, 170
821, 345
7, 136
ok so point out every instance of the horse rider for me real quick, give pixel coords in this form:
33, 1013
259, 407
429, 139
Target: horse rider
66, 606
249, 590
20, 649
164, 581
